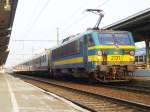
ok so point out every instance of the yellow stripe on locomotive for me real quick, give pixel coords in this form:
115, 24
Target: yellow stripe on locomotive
112, 58
111, 47
96, 58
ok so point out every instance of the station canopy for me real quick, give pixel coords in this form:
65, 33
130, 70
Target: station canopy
7, 12
138, 24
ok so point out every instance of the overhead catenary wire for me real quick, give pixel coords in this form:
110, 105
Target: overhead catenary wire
29, 30
37, 18
34, 11
33, 24
106, 1
33, 40
73, 14
82, 18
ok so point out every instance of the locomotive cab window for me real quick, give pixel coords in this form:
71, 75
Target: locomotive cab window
118, 38
122, 39
140, 58
89, 40
106, 39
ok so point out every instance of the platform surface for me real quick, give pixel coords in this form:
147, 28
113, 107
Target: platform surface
142, 73
19, 96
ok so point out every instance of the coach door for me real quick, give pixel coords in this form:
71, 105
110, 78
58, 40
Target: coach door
85, 51
88, 42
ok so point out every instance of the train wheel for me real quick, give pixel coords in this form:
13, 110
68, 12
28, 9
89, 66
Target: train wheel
95, 78
92, 77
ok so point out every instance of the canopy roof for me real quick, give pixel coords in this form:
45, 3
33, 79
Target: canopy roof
7, 12
138, 24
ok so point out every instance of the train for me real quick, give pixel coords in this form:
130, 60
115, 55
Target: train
142, 73
101, 55
96, 54
140, 56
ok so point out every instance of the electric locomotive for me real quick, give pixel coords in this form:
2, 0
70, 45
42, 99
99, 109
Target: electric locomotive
100, 55
97, 54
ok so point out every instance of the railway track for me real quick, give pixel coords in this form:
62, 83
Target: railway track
131, 88
127, 86
90, 98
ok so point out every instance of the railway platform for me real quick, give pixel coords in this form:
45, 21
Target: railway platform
142, 75
19, 96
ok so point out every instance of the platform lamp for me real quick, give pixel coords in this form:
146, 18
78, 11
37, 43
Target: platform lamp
7, 5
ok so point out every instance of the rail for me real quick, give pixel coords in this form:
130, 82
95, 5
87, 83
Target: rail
87, 98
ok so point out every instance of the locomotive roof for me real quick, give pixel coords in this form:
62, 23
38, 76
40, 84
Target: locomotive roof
75, 37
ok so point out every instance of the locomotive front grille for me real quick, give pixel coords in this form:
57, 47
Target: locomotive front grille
117, 57
120, 59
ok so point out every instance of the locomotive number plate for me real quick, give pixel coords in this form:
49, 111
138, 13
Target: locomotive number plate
114, 58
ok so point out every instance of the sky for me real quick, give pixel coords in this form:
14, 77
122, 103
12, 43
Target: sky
36, 22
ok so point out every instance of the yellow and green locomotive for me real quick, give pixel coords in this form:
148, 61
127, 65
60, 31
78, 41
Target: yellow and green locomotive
101, 55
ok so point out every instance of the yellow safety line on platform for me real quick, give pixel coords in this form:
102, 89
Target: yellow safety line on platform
12, 96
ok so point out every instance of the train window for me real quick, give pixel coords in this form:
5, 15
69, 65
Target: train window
66, 50
140, 58
106, 39
36, 61
144, 58
33, 61
43, 58
39, 60
119, 38
136, 58
122, 39
90, 41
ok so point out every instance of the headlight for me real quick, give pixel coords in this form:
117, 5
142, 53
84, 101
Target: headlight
99, 53
126, 51
132, 58
132, 53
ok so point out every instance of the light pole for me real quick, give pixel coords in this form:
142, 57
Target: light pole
57, 35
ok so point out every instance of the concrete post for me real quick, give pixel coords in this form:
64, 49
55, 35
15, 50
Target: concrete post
1, 69
147, 54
